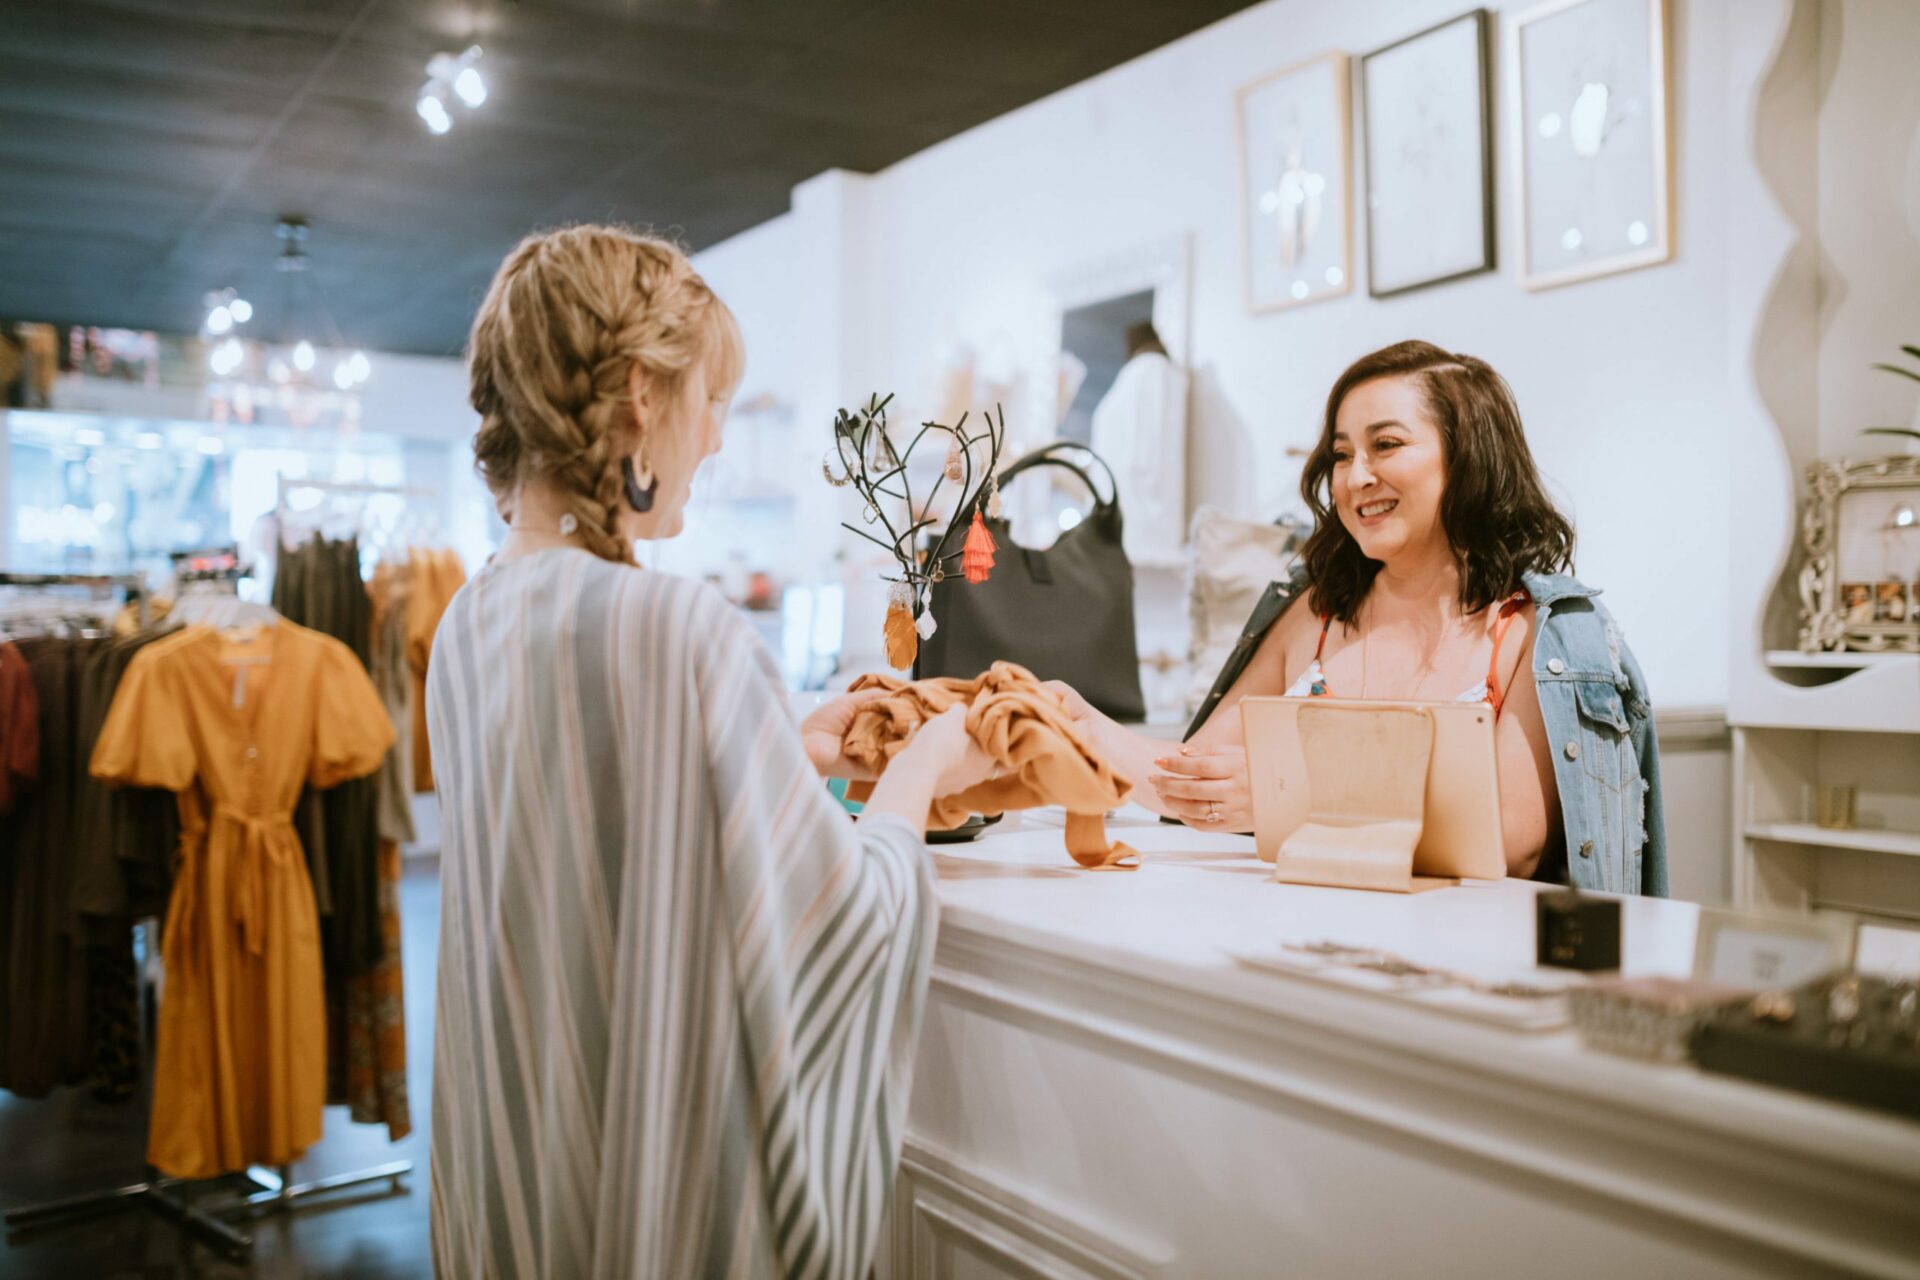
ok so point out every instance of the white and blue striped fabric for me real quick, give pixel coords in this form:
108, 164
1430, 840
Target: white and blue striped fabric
678, 989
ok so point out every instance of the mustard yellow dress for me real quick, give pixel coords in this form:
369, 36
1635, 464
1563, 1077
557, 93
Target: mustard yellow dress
236, 723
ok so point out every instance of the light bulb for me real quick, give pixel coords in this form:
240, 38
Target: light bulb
343, 375
220, 359
434, 112
471, 88
303, 356
219, 320
360, 366
241, 310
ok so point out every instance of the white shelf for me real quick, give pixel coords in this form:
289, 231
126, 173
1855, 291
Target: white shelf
1906, 843
1793, 659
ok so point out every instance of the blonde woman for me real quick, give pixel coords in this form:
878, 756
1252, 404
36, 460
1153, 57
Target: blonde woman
678, 989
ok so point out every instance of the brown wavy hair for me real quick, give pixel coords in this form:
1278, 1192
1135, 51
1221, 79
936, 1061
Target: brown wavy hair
1495, 511
567, 317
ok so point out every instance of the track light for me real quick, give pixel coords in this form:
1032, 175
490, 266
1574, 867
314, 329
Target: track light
450, 76
433, 110
471, 88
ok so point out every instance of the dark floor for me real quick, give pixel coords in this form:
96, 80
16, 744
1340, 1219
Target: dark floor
69, 1145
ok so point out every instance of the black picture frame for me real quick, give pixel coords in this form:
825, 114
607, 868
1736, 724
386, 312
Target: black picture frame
1484, 53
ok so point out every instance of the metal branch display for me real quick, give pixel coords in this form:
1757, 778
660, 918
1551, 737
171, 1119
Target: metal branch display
864, 456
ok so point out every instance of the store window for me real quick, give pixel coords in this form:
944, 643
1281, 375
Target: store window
97, 494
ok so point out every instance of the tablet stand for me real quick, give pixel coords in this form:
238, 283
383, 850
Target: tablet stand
1367, 778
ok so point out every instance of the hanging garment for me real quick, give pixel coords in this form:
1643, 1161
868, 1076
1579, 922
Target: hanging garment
678, 990
123, 843
239, 1074
367, 1025
319, 587
435, 578
394, 679
1140, 428
19, 726
124, 839
1045, 758
43, 962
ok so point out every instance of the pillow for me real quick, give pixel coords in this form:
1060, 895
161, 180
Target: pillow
1231, 561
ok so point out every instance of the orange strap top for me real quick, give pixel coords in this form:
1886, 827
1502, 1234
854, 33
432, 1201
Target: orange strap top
1494, 696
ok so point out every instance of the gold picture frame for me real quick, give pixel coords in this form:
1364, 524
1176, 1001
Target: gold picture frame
1826, 621
1566, 137
1325, 272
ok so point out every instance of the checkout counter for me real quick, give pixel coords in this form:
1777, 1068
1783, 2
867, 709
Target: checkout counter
1110, 1085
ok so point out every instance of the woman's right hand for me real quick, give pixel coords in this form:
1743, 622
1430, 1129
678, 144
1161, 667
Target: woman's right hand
946, 747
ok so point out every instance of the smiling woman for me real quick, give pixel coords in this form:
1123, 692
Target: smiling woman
1438, 570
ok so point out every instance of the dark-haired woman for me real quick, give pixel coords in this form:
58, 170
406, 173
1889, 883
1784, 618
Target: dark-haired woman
1438, 569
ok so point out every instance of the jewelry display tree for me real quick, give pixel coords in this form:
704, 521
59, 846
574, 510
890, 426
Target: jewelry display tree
864, 456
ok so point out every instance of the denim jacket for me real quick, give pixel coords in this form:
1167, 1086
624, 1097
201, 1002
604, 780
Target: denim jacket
1593, 698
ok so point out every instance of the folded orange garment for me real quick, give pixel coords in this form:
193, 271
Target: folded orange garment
1045, 758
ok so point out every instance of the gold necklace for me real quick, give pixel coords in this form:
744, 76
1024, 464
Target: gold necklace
1366, 663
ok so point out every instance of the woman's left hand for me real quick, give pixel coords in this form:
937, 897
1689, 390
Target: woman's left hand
1206, 788
824, 733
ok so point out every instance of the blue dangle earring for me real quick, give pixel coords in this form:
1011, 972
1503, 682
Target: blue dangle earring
639, 497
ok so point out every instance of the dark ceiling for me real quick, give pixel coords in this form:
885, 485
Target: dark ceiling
147, 147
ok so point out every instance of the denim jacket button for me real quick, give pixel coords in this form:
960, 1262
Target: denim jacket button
1586, 848
1556, 666
1573, 751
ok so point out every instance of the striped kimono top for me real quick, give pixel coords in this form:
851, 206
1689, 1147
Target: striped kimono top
678, 989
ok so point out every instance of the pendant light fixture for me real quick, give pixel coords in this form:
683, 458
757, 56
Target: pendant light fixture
299, 362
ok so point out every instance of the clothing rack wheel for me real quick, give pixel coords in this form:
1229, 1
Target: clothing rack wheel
171, 1198
278, 1193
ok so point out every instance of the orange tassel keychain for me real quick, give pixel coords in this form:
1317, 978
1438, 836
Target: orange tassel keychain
976, 558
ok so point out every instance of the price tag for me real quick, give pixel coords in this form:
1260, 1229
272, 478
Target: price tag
1771, 952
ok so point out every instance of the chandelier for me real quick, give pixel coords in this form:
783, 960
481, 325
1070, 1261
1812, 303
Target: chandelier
300, 371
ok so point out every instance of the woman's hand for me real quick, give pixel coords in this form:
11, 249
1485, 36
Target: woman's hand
824, 733
945, 745
940, 759
1206, 788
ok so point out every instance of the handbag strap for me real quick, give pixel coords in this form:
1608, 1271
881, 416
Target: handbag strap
1048, 455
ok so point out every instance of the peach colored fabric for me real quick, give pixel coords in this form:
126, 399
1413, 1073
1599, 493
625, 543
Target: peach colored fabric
1026, 729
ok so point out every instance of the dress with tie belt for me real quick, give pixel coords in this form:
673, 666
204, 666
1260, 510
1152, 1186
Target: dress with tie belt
236, 724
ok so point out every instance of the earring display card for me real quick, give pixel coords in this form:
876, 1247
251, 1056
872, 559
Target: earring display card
1520, 1000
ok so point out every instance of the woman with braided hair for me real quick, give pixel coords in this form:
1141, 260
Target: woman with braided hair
678, 990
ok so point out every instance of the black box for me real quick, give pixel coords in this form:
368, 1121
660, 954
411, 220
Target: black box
1575, 931
1871, 1060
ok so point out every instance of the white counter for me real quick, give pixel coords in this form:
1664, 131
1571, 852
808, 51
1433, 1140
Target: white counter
1104, 1090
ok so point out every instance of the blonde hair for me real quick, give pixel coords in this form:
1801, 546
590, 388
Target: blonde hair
567, 317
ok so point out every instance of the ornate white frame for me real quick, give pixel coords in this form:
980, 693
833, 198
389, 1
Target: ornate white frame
1823, 620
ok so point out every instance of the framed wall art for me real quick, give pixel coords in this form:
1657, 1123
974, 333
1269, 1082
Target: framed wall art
1590, 81
1295, 137
1427, 129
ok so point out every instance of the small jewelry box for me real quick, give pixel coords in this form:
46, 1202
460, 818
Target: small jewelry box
1578, 931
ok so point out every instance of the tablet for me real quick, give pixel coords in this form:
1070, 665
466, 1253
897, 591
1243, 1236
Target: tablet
1461, 834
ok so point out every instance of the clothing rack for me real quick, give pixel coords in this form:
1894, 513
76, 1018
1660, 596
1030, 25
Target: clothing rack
133, 584
289, 483
261, 1190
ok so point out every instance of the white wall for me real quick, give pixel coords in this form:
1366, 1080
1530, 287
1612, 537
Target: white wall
1620, 380
1869, 229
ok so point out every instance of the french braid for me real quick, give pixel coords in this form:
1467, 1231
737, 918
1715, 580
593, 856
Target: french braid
567, 317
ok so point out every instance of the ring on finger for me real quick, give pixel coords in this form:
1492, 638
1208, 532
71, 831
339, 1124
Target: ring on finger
1213, 811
